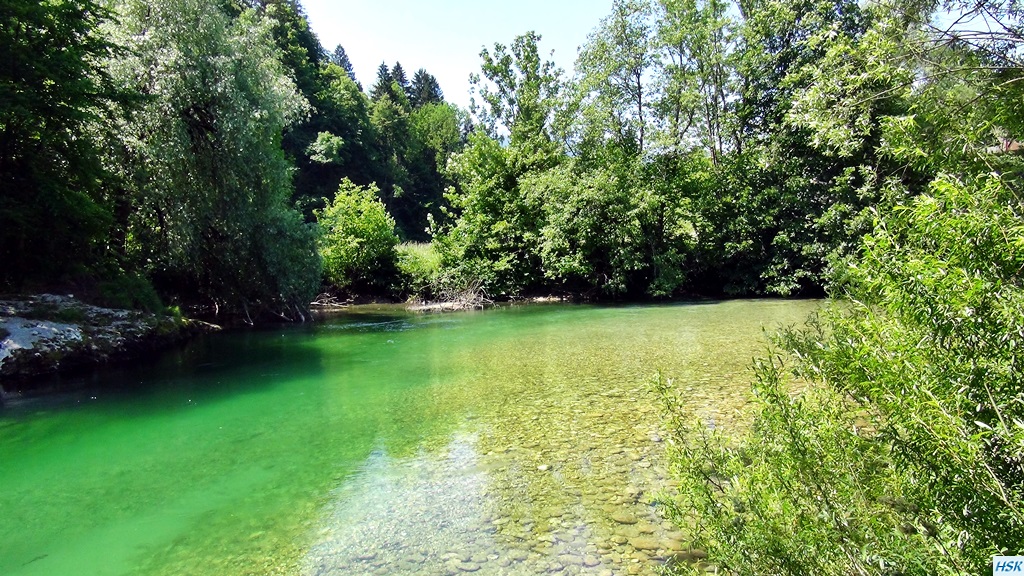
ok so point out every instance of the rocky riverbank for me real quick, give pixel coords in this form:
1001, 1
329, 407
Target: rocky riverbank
48, 334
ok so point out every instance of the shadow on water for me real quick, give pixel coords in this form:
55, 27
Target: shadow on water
206, 368
512, 441
245, 422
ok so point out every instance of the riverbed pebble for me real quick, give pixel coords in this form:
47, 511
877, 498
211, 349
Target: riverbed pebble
562, 478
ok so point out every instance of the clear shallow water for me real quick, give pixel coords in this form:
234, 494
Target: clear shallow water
512, 441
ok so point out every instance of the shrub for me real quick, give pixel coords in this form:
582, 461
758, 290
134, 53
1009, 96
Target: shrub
419, 265
902, 451
357, 239
129, 291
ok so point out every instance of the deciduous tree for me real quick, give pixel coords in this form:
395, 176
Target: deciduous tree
55, 214
202, 158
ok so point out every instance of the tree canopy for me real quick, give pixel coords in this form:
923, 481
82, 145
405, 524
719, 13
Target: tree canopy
133, 145
55, 214
699, 147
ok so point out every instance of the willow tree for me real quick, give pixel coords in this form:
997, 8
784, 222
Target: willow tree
201, 160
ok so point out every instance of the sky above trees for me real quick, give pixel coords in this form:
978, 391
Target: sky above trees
446, 36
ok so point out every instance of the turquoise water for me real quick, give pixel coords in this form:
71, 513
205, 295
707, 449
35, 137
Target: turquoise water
512, 441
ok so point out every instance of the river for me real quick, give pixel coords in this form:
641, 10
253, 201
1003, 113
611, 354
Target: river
521, 440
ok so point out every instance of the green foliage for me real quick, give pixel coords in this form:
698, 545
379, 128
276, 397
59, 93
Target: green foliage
615, 65
340, 59
436, 128
783, 500
175, 313
897, 448
128, 291
613, 232
298, 48
698, 42
772, 229
398, 76
433, 137
519, 91
412, 141
424, 89
888, 435
357, 239
623, 230
589, 227
492, 240
494, 236
383, 86
696, 164
343, 137
420, 266
54, 217
199, 180
286, 252
938, 357
347, 134
705, 146
326, 149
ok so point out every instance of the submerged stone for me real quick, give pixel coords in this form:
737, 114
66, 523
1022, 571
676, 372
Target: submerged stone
645, 543
368, 448
624, 518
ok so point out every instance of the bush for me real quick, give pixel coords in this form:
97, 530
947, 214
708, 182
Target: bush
901, 451
129, 291
357, 240
419, 265
288, 254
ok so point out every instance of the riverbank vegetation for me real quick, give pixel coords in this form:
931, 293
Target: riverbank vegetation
888, 437
773, 147
148, 156
888, 433
193, 163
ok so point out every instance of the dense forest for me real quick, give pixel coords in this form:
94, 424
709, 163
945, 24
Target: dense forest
700, 148
215, 154
180, 151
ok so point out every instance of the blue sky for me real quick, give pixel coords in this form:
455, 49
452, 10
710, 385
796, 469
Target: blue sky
446, 36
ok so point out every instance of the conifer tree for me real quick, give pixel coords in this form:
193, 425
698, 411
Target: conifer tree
383, 84
340, 58
398, 75
424, 89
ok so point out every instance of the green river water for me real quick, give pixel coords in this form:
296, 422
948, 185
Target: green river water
522, 440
